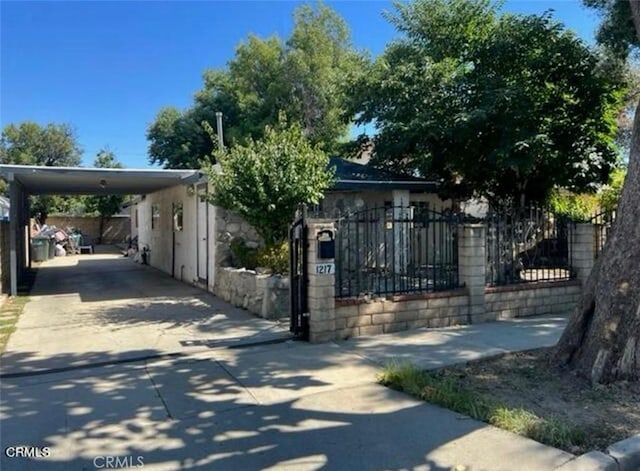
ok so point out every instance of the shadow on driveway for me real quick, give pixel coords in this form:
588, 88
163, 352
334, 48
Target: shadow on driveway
93, 308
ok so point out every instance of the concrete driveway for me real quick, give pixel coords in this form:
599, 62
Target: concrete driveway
88, 309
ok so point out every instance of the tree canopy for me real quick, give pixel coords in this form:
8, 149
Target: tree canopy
497, 105
303, 76
28, 143
266, 179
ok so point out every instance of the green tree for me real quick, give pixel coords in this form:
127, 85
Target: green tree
31, 144
602, 340
104, 205
501, 106
265, 179
304, 76
53, 145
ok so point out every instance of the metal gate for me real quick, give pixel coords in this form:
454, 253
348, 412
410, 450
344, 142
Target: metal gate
298, 246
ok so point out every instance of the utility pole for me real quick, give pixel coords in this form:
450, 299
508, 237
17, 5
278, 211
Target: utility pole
219, 128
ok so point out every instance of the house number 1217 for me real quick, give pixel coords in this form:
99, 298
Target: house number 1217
325, 268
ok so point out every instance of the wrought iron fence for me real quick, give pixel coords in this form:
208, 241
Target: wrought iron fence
394, 250
527, 244
603, 223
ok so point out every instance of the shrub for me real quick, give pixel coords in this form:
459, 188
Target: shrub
275, 257
612, 191
243, 256
579, 207
265, 180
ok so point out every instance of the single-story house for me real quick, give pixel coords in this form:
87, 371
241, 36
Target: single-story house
185, 236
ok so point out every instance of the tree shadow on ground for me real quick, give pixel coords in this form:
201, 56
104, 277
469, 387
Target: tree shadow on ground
257, 408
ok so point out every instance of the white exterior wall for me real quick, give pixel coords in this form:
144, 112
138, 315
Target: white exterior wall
159, 240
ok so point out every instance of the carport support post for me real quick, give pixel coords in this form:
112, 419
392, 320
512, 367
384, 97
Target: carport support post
322, 304
472, 268
14, 216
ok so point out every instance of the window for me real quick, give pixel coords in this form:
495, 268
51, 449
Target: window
155, 216
177, 217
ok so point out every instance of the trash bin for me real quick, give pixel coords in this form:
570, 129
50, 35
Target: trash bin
74, 243
39, 249
52, 247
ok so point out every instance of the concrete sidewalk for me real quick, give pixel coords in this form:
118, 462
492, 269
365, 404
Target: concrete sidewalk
287, 406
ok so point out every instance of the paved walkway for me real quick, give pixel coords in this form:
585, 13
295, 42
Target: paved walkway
290, 405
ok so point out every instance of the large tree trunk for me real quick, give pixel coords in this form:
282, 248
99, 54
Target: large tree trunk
602, 340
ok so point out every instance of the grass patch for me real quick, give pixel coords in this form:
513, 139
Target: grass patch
9, 314
446, 389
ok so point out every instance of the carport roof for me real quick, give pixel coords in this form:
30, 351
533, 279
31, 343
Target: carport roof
87, 181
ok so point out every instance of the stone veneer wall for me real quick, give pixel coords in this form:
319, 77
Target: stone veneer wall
264, 295
355, 317
532, 299
230, 226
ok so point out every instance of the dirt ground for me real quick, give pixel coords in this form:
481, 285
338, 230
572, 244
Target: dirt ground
606, 413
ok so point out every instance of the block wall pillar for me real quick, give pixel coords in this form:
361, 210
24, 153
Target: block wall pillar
472, 267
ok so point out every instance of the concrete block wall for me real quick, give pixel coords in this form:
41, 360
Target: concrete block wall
472, 267
356, 317
583, 250
321, 289
475, 302
114, 231
531, 299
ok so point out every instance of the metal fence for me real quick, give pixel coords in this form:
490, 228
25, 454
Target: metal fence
395, 250
527, 244
603, 223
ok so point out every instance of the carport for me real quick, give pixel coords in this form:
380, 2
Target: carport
25, 180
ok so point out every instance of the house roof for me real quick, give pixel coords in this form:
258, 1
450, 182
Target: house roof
352, 176
88, 181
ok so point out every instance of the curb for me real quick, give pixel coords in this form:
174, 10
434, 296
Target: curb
621, 456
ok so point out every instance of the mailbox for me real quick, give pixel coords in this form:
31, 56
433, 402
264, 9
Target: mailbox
326, 245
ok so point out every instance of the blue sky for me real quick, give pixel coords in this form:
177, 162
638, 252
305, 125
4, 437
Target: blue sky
108, 67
